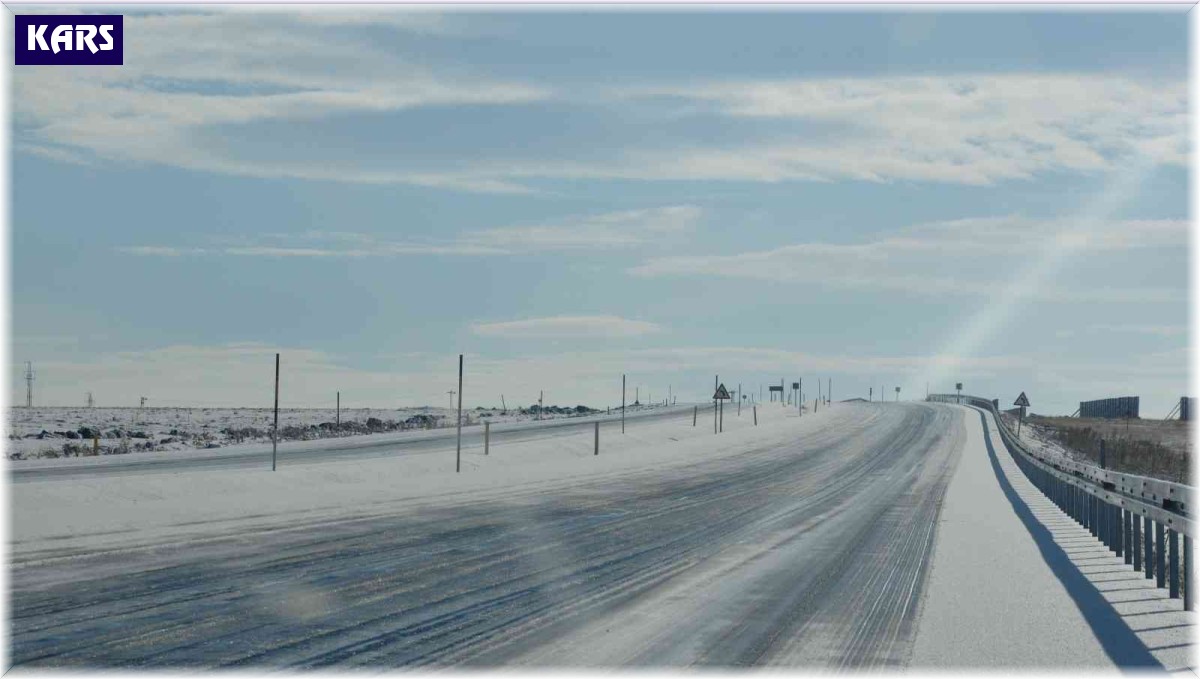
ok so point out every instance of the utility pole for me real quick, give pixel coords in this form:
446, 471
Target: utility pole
458, 444
870, 394
829, 392
541, 396
28, 384
90, 401
740, 397
622, 403
275, 429
452, 393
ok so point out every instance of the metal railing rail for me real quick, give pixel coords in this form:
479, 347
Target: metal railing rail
1114, 507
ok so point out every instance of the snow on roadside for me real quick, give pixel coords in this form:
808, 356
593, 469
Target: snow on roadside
55, 433
112, 510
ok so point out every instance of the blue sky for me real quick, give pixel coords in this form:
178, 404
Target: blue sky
877, 198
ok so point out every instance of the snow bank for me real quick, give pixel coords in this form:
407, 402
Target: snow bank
124, 509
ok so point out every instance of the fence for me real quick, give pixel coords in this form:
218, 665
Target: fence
1111, 408
1137, 517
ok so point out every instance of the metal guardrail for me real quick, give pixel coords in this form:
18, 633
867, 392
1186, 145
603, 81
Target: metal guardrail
1109, 504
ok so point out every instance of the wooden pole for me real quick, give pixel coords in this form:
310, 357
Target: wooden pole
458, 445
275, 429
716, 381
487, 436
597, 439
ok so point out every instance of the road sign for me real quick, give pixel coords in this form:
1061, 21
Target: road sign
897, 390
1022, 400
958, 386
774, 388
722, 394
795, 385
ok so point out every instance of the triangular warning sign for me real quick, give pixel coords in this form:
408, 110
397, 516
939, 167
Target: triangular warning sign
1022, 400
722, 394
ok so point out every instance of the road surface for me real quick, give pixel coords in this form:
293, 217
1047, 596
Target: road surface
812, 553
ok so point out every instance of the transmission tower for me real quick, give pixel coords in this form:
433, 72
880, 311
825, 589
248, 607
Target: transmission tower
28, 384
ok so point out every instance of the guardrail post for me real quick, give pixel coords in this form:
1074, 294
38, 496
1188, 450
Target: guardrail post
1148, 547
597, 439
1188, 573
1160, 554
1114, 529
487, 436
1119, 528
1137, 539
1174, 542
1127, 529
1094, 518
756, 416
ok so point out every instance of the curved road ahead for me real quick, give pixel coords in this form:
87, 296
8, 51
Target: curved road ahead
812, 553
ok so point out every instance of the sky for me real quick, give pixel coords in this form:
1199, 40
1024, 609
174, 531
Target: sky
882, 199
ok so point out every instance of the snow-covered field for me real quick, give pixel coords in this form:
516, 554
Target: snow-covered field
1161, 448
52, 432
138, 506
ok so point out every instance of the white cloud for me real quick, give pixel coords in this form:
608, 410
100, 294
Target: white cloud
189, 76
966, 256
962, 129
566, 327
187, 73
158, 251
1140, 329
613, 229
621, 229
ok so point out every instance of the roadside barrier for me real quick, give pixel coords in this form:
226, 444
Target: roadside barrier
1136, 517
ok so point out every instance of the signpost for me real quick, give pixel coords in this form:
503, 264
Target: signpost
458, 437
275, 429
720, 396
1022, 402
958, 388
897, 394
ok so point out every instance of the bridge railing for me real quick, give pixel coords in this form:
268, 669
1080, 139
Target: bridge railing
1137, 517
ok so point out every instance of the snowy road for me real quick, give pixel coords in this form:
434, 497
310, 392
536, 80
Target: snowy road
810, 551
381, 445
